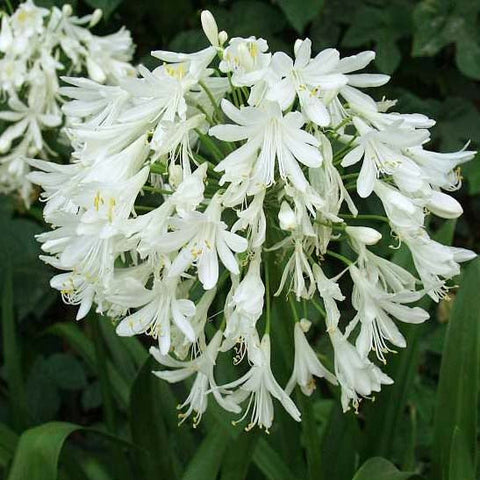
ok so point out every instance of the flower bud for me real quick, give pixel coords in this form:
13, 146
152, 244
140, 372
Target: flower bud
67, 10
222, 37
287, 217
96, 17
365, 235
210, 28
444, 205
175, 175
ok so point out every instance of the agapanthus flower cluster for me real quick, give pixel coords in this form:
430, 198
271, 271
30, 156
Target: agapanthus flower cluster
233, 175
36, 46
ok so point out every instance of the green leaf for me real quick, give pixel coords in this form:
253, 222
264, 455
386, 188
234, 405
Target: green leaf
311, 437
249, 17
66, 371
92, 396
434, 25
300, 12
206, 462
238, 456
147, 423
378, 468
270, 462
43, 397
20, 250
383, 27
107, 6
77, 339
455, 432
38, 450
8, 443
36, 457
12, 354
468, 55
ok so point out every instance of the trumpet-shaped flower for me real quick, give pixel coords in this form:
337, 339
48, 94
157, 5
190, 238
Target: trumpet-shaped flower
279, 138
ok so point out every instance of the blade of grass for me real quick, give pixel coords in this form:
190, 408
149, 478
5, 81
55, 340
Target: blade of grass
238, 456
12, 356
39, 448
207, 460
148, 425
456, 414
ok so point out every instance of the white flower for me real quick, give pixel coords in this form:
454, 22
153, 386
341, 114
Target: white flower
330, 292
202, 367
309, 79
434, 261
253, 219
28, 19
279, 138
247, 59
244, 304
298, 269
357, 376
161, 307
204, 238
381, 152
375, 307
306, 365
259, 385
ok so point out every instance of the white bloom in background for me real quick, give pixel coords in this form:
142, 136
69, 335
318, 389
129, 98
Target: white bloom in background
306, 364
279, 138
36, 46
202, 367
259, 386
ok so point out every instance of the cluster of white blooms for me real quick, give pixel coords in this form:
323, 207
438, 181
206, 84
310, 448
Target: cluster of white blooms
195, 183
36, 45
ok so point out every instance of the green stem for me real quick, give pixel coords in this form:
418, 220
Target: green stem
101, 361
318, 307
268, 312
378, 218
294, 308
210, 97
161, 191
340, 257
209, 144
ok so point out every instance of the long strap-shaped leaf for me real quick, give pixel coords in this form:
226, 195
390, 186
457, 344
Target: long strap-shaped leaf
455, 432
378, 468
39, 448
12, 355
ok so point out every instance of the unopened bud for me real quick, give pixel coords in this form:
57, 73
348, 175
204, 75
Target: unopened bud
210, 28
